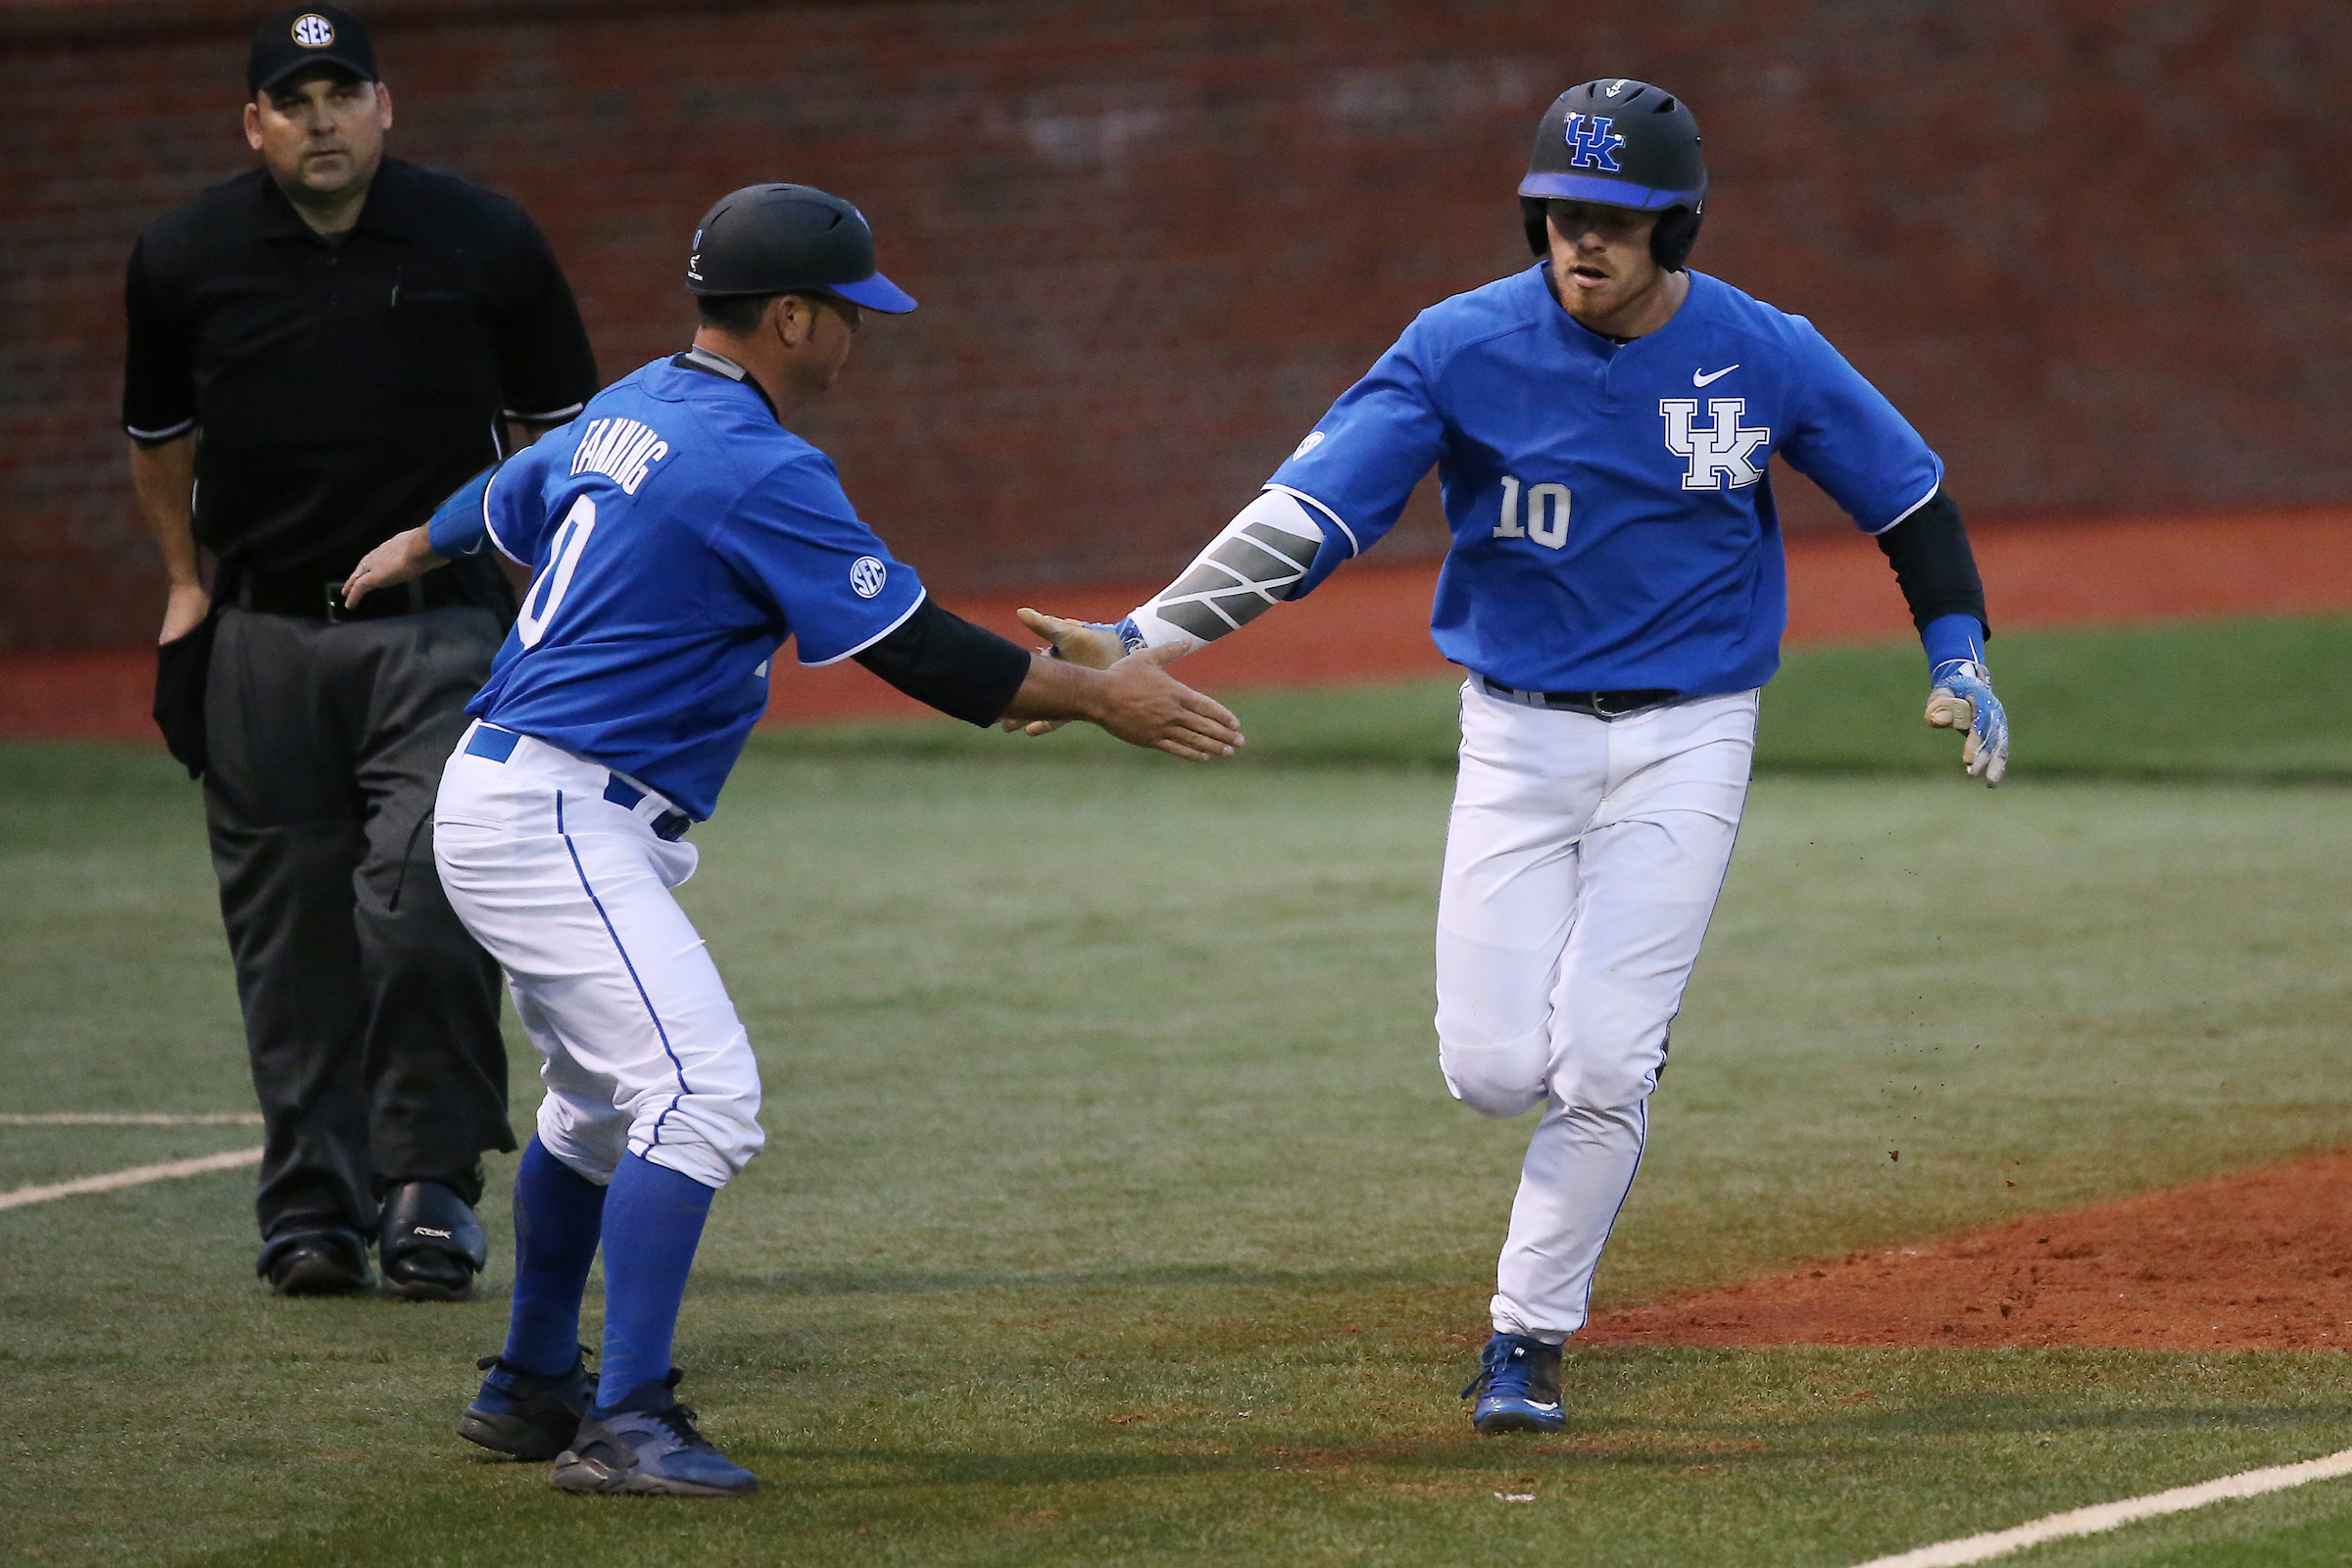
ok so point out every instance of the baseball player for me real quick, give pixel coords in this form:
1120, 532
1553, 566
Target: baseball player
1615, 587
678, 533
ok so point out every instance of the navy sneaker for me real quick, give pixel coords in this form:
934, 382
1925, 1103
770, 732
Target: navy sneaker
1517, 1387
527, 1415
648, 1444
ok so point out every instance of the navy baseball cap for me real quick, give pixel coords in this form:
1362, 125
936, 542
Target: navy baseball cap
303, 36
784, 239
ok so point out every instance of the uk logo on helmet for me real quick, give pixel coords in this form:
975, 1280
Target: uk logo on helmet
312, 30
1595, 143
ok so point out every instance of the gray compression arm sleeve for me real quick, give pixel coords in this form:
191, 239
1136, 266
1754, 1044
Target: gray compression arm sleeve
1246, 570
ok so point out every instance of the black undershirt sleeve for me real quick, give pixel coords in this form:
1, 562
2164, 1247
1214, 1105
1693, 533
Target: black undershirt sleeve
1933, 565
939, 658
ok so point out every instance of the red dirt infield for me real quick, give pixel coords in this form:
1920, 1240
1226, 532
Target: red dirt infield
1370, 623
2261, 1261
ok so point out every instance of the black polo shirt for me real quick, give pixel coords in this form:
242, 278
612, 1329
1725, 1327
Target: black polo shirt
341, 388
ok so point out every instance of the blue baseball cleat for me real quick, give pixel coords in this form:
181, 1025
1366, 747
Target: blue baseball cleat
648, 1444
1517, 1387
527, 1415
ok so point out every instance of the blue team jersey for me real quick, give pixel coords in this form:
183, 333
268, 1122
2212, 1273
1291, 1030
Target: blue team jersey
1613, 527
677, 535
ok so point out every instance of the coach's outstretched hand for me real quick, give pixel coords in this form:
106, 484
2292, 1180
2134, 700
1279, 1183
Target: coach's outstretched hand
1135, 700
1146, 706
1963, 700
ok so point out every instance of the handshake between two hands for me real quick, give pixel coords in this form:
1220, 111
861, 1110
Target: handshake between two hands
1083, 642
1171, 717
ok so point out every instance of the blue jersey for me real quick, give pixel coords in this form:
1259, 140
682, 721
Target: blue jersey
1613, 528
678, 535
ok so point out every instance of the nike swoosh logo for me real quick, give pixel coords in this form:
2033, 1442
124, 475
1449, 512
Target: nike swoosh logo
1696, 379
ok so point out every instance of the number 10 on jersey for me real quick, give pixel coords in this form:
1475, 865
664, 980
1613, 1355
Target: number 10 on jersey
1547, 521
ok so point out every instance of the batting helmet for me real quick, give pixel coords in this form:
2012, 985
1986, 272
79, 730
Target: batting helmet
1625, 144
778, 239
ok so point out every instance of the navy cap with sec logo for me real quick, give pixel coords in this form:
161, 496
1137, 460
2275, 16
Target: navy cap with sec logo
301, 37
778, 239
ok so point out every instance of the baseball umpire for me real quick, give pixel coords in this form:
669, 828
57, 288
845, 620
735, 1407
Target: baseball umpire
1615, 586
320, 350
677, 533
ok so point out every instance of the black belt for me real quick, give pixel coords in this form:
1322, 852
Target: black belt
1593, 705
317, 599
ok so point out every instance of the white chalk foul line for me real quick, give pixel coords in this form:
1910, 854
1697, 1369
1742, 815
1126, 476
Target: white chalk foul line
123, 1118
2109, 1515
136, 1176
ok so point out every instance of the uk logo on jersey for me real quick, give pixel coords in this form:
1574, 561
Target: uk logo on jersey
1595, 143
1719, 455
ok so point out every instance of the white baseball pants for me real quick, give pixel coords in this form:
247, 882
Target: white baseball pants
1582, 861
640, 1047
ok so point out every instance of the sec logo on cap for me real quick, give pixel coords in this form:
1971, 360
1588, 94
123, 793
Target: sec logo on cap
312, 30
866, 576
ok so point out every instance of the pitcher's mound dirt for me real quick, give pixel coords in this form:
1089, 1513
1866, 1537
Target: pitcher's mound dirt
2257, 1261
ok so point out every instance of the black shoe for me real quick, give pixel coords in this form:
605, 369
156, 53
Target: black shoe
316, 1263
524, 1414
431, 1245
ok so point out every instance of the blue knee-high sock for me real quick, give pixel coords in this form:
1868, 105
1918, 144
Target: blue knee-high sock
559, 1215
653, 1222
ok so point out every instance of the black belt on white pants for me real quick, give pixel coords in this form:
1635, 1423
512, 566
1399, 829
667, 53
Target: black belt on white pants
1602, 705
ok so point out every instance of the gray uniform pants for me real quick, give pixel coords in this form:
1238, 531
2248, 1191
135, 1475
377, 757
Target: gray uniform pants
371, 1016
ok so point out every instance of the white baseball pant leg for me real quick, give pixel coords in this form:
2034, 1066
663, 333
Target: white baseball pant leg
1582, 861
640, 1047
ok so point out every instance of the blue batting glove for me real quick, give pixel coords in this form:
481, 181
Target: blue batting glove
1131, 639
1963, 699
1130, 636
1125, 632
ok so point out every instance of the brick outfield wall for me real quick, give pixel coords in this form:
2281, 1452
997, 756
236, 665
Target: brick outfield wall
2097, 251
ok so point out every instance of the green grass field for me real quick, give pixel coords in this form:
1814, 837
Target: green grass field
1113, 1211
